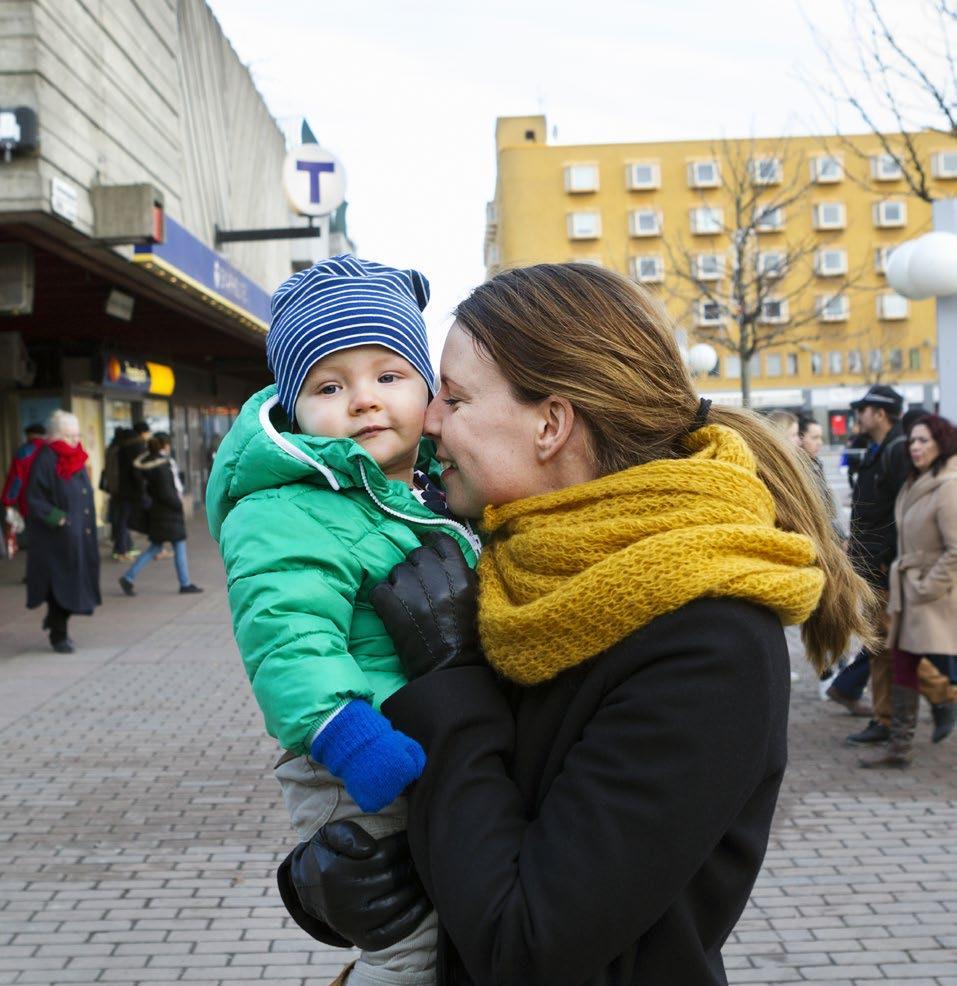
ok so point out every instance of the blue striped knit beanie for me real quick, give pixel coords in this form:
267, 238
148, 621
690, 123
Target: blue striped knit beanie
341, 303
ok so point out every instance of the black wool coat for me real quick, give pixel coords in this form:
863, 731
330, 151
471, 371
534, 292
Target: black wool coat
604, 828
130, 485
62, 560
165, 520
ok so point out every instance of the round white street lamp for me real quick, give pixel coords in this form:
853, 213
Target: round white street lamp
926, 267
702, 359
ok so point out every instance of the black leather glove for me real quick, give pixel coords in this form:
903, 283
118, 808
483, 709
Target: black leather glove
345, 888
429, 608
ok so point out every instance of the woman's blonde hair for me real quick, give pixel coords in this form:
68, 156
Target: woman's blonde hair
593, 337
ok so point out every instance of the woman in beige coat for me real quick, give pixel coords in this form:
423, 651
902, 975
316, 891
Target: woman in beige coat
923, 583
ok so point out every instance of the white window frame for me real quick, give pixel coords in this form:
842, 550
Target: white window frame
709, 275
881, 220
755, 167
770, 270
938, 168
761, 216
817, 364
634, 227
573, 230
881, 255
659, 273
817, 174
792, 364
574, 184
828, 301
822, 269
835, 362
783, 312
694, 178
885, 167
707, 220
892, 307
855, 361
702, 319
633, 184
773, 365
821, 222
732, 367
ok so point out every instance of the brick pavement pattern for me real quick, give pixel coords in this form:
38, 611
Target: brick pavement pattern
140, 827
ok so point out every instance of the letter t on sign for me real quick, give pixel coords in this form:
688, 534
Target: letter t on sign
315, 168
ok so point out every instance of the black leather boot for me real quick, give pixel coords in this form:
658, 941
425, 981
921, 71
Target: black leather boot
873, 732
945, 716
898, 752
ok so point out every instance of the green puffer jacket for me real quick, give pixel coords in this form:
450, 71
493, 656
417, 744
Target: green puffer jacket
307, 526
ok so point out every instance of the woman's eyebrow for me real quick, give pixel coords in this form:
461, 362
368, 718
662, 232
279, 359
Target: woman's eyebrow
449, 382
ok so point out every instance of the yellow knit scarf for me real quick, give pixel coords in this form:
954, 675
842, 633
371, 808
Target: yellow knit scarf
566, 575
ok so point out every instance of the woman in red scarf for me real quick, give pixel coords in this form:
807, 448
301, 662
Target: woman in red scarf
63, 562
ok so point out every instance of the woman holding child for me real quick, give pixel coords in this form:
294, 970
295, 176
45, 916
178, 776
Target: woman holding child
604, 755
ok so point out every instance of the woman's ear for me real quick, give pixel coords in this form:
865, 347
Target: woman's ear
554, 427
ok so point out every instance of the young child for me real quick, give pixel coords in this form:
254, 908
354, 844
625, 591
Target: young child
316, 493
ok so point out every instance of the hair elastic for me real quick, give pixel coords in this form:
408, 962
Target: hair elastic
701, 417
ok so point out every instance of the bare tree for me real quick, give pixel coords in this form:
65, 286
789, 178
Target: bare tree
767, 298
911, 80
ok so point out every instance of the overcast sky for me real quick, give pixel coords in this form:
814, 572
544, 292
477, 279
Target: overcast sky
406, 95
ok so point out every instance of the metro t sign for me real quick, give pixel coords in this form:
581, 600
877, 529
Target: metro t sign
314, 180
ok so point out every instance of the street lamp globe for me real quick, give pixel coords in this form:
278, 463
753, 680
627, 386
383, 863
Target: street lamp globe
925, 267
702, 358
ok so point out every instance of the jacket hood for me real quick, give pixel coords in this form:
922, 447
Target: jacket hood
260, 452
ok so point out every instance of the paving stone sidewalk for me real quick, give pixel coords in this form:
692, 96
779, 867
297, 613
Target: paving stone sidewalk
140, 826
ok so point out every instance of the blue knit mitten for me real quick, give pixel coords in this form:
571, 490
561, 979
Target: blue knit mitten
374, 761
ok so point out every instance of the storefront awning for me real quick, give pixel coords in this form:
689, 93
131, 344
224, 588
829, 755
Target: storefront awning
187, 262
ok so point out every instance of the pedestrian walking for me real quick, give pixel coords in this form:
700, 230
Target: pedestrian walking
63, 561
787, 424
872, 549
110, 485
923, 599
15, 486
165, 520
604, 755
130, 507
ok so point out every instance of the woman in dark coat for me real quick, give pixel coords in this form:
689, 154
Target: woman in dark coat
166, 521
604, 756
63, 560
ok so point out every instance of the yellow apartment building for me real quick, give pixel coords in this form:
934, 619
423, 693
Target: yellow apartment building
662, 214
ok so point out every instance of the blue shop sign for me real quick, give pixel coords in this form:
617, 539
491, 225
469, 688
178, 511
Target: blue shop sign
185, 260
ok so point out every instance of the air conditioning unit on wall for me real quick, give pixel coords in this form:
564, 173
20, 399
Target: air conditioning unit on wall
15, 363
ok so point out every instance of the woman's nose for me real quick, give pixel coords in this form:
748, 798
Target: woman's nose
432, 426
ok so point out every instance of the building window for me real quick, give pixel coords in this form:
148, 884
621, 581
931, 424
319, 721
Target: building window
913, 359
826, 169
855, 361
896, 360
707, 221
772, 263
773, 311
891, 214
833, 308
765, 170
649, 269
816, 364
704, 174
835, 363
769, 220
709, 266
944, 164
892, 307
886, 167
709, 313
829, 215
881, 256
792, 364
772, 365
639, 177
732, 367
644, 222
875, 361
830, 263
755, 365
584, 225
581, 178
